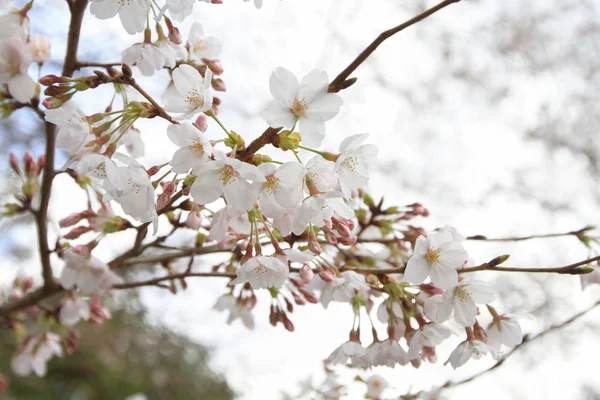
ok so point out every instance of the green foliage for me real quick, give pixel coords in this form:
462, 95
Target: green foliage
122, 357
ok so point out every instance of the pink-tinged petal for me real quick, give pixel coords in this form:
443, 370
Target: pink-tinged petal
465, 311
417, 270
284, 87
22, 88
68, 277
443, 277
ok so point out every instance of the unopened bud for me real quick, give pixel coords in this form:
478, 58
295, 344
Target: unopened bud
289, 140
306, 273
214, 65
349, 241
14, 164
77, 231
201, 122
219, 85
327, 275
126, 70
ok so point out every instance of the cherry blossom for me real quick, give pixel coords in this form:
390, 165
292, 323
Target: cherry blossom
306, 102
98, 166
74, 131
136, 195
132, 13
180, 9
84, 271
201, 46
262, 272
346, 351
351, 163
318, 209
227, 218
36, 354
14, 63
282, 190
194, 148
146, 56
343, 288
236, 310
194, 93
388, 353
506, 331
133, 143
73, 310
376, 384
228, 177
321, 174
462, 299
429, 335
438, 256
467, 350
39, 48
13, 24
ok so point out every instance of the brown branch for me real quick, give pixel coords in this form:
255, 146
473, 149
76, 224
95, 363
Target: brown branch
526, 339
161, 112
41, 215
85, 64
337, 84
340, 83
155, 281
571, 269
578, 233
30, 299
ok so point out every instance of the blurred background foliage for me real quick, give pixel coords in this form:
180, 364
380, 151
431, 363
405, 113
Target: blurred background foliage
120, 358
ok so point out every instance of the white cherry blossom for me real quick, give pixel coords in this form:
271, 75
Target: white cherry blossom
201, 46
346, 351
262, 272
351, 164
194, 93
321, 173
36, 354
73, 310
343, 288
39, 48
133, 143
98, 166
146, 56
13, 24
462, 299
236, 310
282, 190
194, 148
318, 209
228, 177
504, 331
74, 130
227, 218
387, 353
467, 350
429, 335
132, 13
306, 102
437, 256
376, 384
14, 63
180, 9
84, 271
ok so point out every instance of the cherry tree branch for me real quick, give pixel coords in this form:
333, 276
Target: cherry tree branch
340, 82
578, 233
526, 340
161, 112
41, 214
156, 281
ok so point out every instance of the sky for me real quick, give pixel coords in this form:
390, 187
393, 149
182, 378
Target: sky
450, 114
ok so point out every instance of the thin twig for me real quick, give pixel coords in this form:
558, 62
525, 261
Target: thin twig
340, 83
155, 281
161, 112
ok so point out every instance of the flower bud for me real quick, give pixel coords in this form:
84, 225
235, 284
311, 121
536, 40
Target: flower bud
174, 34
201, 122
306, 273
214, 65
71, 219
349, 241
289, 140
194, 220
77, 231
14, 164
327, 275
52, 79
219, 85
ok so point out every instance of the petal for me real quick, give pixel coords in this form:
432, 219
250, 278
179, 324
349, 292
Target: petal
186, 78
465, 312
284, 86
313, 84
312, 132
443, 277
21, 87
417, 270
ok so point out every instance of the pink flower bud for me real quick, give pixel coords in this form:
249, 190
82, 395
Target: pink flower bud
289, 325
174, 34
214, 65
41, 163
194, 220
201, 122
162, 200
216, 1
306, 273
52, 79
343, 229
327, 275
71, 220
31, 169
300, 300
331, 238
349, 241
14, 164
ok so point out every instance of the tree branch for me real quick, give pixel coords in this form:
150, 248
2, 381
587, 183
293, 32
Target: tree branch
155, 281
41, 215
340, 83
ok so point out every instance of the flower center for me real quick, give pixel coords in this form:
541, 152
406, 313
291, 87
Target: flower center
228, 174
200, 46
135, 186
462, 294
194, 99
351, 163
272, 184
298, 108
261, 269
196, 147
124, 3
100, 170
432, 256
